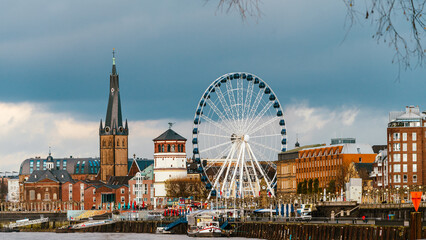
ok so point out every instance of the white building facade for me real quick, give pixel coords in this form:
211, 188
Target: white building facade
13, 190
169, 162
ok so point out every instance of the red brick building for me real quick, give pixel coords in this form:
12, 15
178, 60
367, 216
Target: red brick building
406, 146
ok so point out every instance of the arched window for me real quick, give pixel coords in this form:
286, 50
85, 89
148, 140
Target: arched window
38, 196
159, 148
179, 148
168, 147
118, 142
110, 143
122, 143
173, 148
103, 143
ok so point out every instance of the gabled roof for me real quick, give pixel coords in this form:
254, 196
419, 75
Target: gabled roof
169, 135
141, 163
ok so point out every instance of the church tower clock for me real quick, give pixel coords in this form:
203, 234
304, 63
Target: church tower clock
113, 135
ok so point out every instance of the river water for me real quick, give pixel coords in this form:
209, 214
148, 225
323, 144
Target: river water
95, 236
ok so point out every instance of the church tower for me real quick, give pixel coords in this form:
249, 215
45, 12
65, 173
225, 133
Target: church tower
113, 135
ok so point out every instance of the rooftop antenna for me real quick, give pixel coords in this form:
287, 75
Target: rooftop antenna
113, 56
171, 124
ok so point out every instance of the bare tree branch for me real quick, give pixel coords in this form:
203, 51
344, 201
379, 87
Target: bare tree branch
246, 8
399, 23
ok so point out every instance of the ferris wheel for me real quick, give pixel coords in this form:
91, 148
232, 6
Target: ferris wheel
238, 131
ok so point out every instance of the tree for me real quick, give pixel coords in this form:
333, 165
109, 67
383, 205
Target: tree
299, 187
316, 185
345, 172
305, 187
310, 188
185, 187
404, 37
331, 186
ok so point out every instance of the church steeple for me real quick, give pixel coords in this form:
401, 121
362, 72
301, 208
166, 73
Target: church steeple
113, 119
113, 136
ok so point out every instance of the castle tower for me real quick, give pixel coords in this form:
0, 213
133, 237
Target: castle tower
113, 135
169, 161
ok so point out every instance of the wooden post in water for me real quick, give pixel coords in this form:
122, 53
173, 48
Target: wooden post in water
416, 225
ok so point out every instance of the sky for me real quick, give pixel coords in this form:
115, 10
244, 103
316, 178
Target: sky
55, 60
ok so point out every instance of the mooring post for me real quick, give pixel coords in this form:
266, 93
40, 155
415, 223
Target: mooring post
416, 226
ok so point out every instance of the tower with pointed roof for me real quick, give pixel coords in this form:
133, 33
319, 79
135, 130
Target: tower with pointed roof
113, 134
169, 161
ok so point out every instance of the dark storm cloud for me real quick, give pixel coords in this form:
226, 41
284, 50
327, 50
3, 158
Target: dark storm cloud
59, 52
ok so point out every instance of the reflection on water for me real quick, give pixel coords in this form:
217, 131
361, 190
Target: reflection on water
94, 236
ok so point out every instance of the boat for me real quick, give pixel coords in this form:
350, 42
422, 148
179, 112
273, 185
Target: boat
204, 225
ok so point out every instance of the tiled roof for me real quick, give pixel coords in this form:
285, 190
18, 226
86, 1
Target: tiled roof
170, 135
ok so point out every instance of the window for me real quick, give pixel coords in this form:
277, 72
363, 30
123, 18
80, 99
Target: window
32, 194
38, 165
38, 196
94, 191
396, 146
404, 167
414, 167
396, 136
94, 199
404, 147
64, 165
404, 157
82, 167
414, 157
46, 196
168, 147
55, 196
159, 148
396, 168
122, 191
396, 179
122, 199
396, 157
414, 136
58, 164
414, 178
405, 178
414, 146
390, 168
404, 136
77, 168
390, 138
44, 165
173, 148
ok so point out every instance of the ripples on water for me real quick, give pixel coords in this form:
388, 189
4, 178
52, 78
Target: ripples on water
95, 236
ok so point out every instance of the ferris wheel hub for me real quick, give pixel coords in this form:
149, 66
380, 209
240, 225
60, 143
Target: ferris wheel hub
246, 138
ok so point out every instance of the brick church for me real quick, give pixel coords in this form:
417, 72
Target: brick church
86, 183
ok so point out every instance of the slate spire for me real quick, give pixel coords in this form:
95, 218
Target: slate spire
113, 120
